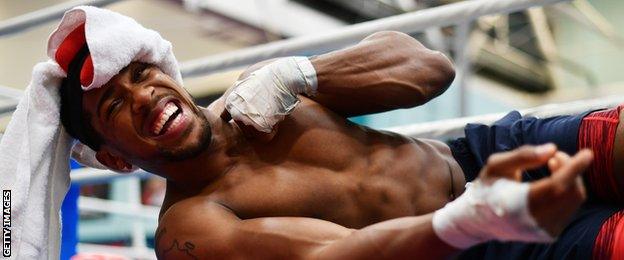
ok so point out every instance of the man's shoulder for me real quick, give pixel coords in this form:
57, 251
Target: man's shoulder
186, 226
194, 216
193, 206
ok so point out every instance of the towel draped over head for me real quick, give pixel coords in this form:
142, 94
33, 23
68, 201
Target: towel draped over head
89, 47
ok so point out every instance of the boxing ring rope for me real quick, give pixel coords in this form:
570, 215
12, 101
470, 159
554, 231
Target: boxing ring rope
9, 107
454, 128
10, 97
41, 16
446, 15
460, 14
95, 176
133, 253
118, 208
11, 93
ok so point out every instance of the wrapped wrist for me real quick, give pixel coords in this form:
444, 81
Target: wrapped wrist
308, 73
295, 75
496, 211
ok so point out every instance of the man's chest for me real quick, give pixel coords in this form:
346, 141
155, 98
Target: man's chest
322, 166
345, 198
314, 136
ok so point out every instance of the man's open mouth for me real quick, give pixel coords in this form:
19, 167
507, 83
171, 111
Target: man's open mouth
169, 117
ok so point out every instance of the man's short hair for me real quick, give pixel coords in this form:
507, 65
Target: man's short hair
76, 121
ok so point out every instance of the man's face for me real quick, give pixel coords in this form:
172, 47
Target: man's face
146, 118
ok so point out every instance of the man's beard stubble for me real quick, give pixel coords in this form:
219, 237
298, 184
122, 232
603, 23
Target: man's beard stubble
194, 149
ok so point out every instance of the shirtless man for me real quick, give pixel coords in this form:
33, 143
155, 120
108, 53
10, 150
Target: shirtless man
291, 177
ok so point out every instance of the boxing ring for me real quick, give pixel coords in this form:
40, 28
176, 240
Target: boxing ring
459, 15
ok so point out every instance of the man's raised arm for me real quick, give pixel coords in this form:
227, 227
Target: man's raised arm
387, 70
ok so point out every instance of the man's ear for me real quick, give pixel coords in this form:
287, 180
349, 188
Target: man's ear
113, 162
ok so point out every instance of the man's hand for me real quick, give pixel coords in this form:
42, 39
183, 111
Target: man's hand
497, 206
564, 188
264, 97
552, 200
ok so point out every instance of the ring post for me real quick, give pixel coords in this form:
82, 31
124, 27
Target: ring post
70, 217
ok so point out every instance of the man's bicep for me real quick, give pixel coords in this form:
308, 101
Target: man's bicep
215, 233
284, 237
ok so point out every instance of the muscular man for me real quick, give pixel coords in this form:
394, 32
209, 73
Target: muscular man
291, 178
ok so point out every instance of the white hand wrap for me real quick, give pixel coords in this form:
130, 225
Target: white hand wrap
496, 211
267, 95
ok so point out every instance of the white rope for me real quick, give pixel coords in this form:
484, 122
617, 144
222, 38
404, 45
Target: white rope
445, 15
90, 175
41, 16
9, 97
118, 208
453, 128
11, 93
132, 252
8, 108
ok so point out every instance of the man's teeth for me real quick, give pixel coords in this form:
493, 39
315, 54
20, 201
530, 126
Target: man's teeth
169, 110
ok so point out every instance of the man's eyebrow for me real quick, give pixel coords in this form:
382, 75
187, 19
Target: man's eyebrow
107, 93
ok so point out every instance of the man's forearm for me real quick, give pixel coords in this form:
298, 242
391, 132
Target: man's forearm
403, 238
385, 71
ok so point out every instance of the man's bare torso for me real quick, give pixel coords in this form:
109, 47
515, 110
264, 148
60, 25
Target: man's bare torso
322, 166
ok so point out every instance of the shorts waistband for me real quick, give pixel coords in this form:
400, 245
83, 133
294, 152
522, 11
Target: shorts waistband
462, 154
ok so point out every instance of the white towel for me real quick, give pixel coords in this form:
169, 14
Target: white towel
34, 155
35, 149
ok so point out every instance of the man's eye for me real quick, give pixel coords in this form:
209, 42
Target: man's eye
113, 105
139, 73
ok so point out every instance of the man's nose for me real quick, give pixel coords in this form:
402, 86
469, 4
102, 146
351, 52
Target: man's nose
142, 98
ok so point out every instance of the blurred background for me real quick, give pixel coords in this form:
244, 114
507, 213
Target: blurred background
562, 52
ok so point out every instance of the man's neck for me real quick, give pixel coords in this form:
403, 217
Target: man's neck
227, 143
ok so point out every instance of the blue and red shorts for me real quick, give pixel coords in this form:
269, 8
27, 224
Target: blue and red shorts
599, 224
